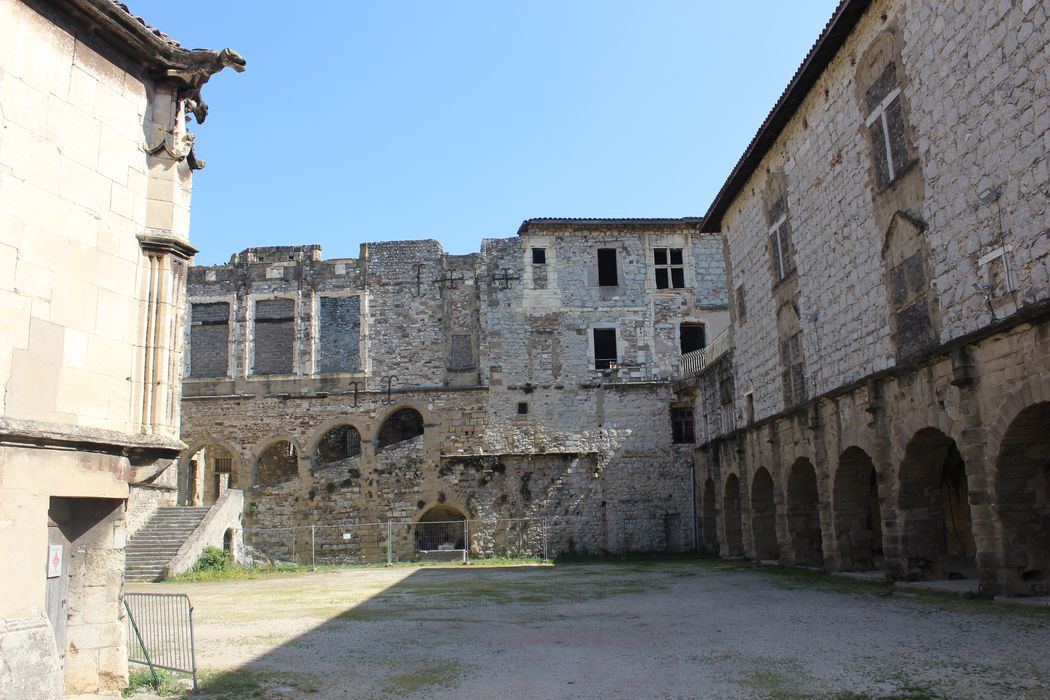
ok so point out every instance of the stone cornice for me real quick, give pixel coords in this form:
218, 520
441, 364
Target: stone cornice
46, 434
165, 242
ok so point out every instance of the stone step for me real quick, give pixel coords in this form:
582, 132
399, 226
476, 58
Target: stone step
151, 548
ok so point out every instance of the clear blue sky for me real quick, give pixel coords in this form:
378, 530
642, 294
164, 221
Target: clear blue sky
384, 120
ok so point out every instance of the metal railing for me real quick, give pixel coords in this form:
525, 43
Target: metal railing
160, 632
695, 362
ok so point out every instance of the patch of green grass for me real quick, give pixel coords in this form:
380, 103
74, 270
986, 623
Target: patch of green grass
437, 675
239, 572
245, 683
774, 678
142, 681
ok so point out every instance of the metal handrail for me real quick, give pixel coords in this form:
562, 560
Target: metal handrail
695, 362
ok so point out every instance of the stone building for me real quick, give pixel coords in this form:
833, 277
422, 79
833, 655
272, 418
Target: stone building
95, 175
532, 379
883, 401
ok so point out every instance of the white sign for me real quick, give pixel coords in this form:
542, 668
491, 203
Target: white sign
54, 561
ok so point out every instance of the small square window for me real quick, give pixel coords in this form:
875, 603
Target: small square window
523, 408
539, 256
669, 267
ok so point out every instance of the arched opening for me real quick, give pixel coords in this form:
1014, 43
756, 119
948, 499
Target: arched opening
342, 442
764, 516
402, 425
709, 519
210, 473
278, 463
857, 515
441, 529
803, 514
937, 535
1022, 487
228, 543
731, 517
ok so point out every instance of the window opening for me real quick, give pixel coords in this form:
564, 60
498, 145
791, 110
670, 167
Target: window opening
604, 348
682, 429
779, 247
539, 256
670, 268
523, 408
885, 123
692, 336
607, 276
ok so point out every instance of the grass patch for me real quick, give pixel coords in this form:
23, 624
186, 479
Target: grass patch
243, 683
239, 572
438, 675
142, 681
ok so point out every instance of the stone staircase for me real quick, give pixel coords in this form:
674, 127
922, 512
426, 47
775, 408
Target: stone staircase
153, 546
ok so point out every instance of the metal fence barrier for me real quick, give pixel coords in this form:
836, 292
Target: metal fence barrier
398, 541
160, 632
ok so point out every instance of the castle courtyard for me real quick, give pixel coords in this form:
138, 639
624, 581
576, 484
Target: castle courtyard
673, 628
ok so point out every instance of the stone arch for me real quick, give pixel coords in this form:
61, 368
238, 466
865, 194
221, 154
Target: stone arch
202, 476
323, 429
764, 516
1022, 493
937, 532
339, 442
709, 518
731, 517
856, 513
401, 424
276, 461
803, 514
441, 527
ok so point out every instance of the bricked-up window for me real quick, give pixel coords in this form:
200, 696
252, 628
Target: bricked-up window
604, 348
682, 429
339, 334
607, 276
692, 336
539, 256
274, 336
725, 383
792, 370
781, 254
209, 340
885, 122
461, 353
741, 305
670, 268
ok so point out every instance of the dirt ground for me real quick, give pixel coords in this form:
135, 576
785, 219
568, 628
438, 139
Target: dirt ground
671, 629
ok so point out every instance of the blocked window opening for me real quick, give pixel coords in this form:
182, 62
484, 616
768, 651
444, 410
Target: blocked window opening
885, 123
209, 339
278, 463
731, 517
274, 336
607, 275
604, 348
741, 305
523, 408
764, 516
461, 353
857, 516
682, 429
709, 519
539, 256
692, 336
403, 425
338, 444
803, 510
670, 268
339, 334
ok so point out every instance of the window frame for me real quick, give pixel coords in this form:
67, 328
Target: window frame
777, 248
878, 113
611, 362
603, 277
542, 251
669, 268
683, 428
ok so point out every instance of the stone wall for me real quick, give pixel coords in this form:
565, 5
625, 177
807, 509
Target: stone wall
921, 304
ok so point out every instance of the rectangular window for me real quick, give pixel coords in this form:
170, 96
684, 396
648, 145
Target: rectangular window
339, 334
523, 408
209, 340
670, 268
607, 276
780, 248
692, 336
461, 355
539, 256
223, 465
274, 336
682, 429
792, 374
604, 348
885, 124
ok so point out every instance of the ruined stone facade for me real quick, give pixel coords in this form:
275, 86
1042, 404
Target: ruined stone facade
532, 379
885, 402
95, 180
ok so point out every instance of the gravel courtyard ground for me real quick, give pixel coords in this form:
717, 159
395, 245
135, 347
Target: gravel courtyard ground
668, 629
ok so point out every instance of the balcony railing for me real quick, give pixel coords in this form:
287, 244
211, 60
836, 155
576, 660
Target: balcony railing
695, 362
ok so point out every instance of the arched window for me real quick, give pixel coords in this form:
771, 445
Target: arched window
278, 463
402, 425
338, 444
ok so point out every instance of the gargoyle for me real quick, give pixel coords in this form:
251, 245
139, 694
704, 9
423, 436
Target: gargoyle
204, 65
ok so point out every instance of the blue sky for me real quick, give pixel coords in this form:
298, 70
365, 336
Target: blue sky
456, 120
